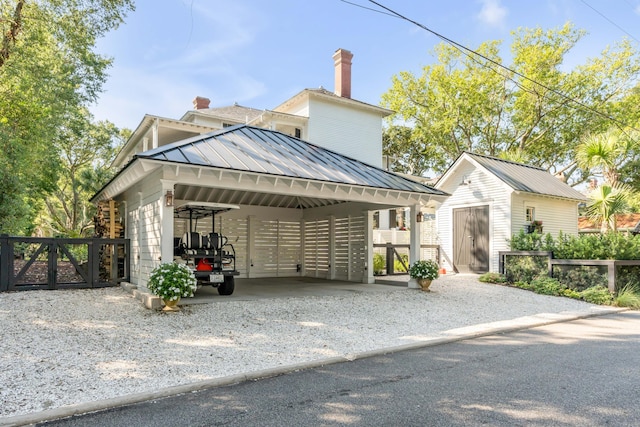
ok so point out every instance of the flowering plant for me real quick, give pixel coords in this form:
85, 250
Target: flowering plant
424, 269
172, 281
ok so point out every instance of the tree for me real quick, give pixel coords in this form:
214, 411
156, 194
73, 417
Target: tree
86, 151
48, 71
607, 153
605, 202
465, 102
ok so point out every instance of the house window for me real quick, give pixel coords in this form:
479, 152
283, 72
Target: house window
530, 214
376, 220
227, 125
298, 133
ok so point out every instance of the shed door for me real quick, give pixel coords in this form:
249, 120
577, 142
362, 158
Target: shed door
471, 239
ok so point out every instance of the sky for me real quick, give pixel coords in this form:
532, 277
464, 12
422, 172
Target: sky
259, 53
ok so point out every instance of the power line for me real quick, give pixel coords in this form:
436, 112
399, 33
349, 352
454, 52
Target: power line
610, 21
470, 53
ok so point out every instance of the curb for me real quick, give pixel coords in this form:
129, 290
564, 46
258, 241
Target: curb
461, 334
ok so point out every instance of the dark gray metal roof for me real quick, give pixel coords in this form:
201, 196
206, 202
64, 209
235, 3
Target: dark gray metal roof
526, 178
252, 149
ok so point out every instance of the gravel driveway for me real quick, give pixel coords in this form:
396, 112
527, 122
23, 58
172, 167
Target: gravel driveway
67, 347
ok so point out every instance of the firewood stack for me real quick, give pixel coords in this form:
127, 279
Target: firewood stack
107, 221
107, 225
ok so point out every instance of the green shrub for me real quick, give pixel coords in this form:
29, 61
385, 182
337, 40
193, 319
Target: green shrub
531, 242
598, 246
547, 286
524, 268
492, 278
571, 293
597, 295
523, 285
580, 277
397, 265
628, 296
379, 264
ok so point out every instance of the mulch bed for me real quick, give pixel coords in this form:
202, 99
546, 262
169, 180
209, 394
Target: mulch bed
37, 272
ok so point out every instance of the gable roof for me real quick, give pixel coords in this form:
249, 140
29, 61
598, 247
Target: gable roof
264, 151
236, 113
520, 177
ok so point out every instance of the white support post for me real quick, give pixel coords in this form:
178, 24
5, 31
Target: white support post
166, 222
251, 226
414, 244
332, 247
367, 277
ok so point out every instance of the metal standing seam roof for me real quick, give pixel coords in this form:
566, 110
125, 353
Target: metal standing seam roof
526, 178
252, 149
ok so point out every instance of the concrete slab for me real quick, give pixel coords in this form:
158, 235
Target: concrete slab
252, 289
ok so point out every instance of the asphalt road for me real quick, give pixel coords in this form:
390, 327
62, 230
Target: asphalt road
580, 373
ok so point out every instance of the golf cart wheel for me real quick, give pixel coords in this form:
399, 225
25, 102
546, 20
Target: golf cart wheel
227, 287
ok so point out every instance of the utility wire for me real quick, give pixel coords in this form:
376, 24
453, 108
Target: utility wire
610, 21
471, 53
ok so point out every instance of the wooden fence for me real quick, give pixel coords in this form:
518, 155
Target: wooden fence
610, 264
28, 263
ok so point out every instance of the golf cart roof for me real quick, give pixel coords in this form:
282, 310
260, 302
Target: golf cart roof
197, 210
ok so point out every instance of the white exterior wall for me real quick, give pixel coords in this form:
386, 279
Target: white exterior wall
144, 205
345, 130
556, 214
483, 189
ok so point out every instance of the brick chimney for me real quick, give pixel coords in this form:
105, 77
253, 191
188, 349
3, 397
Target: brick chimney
342, 63
201, 103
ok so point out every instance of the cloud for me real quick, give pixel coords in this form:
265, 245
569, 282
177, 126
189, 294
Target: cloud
492, 13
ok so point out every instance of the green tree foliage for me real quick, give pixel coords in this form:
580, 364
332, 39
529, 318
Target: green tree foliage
48, 72
86, 151
607, 153
605, 202
466, 103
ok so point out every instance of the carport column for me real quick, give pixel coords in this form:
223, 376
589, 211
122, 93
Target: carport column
414, 235
367, 277
251, 242
332, 247
166, 222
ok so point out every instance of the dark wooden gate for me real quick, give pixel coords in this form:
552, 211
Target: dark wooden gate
471, 239
48, 263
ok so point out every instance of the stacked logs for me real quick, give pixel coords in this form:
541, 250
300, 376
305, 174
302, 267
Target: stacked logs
106, 222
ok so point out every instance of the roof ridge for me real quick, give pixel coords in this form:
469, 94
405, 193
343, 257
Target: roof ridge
504, 160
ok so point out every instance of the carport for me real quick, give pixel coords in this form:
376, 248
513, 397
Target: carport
305, 211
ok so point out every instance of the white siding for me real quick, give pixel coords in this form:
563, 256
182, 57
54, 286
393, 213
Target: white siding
353, 133
316, 248
350, 249
132, 233
556, 215
483, 189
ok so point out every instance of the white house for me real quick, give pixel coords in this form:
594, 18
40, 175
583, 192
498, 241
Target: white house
332, 120
306, 208
493, 199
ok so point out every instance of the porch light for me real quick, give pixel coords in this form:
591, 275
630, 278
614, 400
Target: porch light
465, 180
419, 217
168, 198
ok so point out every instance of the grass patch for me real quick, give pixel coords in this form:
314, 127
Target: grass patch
628, 296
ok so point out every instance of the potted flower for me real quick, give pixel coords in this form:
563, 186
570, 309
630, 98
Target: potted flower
534, 226
171, 282
424, 271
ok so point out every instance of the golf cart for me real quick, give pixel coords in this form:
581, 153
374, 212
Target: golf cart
210, 255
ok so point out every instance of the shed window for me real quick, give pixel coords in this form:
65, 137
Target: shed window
530, 214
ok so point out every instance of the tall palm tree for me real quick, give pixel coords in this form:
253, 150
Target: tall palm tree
605, 202
607, 152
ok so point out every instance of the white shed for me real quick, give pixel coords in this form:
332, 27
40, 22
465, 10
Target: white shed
304, 210
493, 199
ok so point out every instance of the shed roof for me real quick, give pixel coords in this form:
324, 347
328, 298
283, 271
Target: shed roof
525, 178
252, 149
